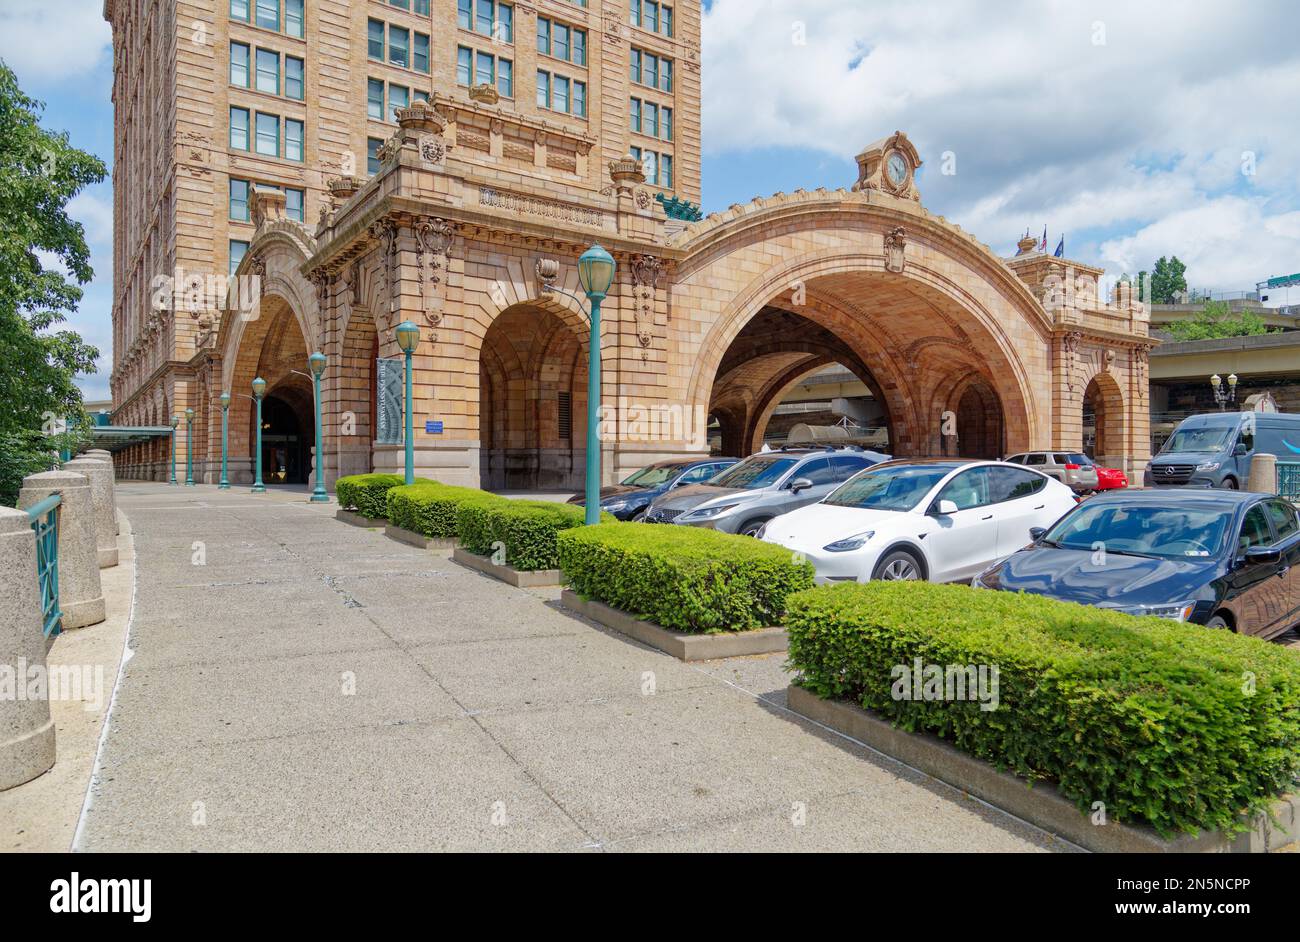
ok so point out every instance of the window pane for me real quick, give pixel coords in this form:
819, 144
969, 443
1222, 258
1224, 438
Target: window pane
651, 118
268, 14
399, 44
239, 199
293, 204
651, 70
239, 64
483, 22
666, 123
543, 90
580, 46
398, 97
239, 10
648, 165
666, 75
636, 115
422, 7
293, 77
237, 251
666, 21
268, 135
375, 99
239, 128
544, 36
463, 60
483, 69
650, 16
580, 98
560, 95
293, 18
268, 71
505, 23
418, 95
375, 39
404, 4
465, 14
372, 154
293, 144
560, 42
505, 78
636, 65
420, 53
634, 8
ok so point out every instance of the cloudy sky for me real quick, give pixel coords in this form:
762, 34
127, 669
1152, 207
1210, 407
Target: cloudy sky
1133, 129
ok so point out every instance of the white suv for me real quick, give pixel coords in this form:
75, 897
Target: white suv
1072, 469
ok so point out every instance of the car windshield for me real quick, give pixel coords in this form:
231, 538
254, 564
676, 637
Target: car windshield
897, 488
1166, 531
754, 472
1206, 438
654, 475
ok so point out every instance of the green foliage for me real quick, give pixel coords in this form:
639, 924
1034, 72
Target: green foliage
1169, 724
528, 529
430, 508
1168, 280
686, 578
367, 494
1216, 321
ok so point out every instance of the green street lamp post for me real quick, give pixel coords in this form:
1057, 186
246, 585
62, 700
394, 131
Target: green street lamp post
595, 274
224, 399
408, 338
259, 390
189, 447
176, 421
317, 363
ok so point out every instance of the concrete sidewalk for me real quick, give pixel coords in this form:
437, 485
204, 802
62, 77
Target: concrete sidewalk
300, 684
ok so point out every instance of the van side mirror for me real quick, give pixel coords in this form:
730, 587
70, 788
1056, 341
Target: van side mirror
1240, 450
800, 484
1256, 555
944, 507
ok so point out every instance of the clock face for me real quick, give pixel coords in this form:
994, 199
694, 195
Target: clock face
896, 168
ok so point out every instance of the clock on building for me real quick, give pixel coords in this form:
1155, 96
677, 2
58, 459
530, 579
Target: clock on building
889, 165
896, 168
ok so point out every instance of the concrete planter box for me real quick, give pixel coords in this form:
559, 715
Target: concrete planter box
680, 644
540, 578
1040, 804
354, 518
412, 538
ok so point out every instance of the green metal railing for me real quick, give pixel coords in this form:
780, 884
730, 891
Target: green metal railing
1288, 480
45, 522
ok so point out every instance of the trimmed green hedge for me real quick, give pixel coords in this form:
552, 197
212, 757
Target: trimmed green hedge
686, 578
367, 494
527, 528
430, 508
1174, 725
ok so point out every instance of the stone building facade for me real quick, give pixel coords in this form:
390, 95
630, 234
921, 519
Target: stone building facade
470, 226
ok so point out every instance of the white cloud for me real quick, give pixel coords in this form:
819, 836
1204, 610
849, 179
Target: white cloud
47, 40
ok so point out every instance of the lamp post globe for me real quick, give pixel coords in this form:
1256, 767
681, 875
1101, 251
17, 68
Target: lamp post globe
317, 364
224, 399
259, 390
408, 339
596, 275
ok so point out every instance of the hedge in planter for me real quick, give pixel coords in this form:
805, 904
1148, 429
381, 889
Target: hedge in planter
1174, 725
685, 578
429, 508
527, 528
366, 493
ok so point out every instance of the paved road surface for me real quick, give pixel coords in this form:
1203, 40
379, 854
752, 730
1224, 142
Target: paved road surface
300, 684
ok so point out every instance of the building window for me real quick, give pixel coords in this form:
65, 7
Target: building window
418, 95
399, 46
465, 14
268, 71
293, 204
404, 4
293, 139
666, 123
505, 78
464, 66
375, 99
294, 78
422, 7
268, 14
294, 19
658, 168
372, 155
484, 69
239, 200
239, 64
652, 70
636, 115
267, 135
239, 10
652, 120
488, 18
238, 249
653, 16
561, 41
666, 171
239, 128
375, 39
420, 54
399, 96
561, 93
580, 99
543, 89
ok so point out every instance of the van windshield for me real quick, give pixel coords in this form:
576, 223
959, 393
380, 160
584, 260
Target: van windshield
1209, 439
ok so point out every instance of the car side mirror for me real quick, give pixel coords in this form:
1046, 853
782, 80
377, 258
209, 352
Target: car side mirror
945, 507
800, 484
1256, 555
1240, 450
1037, 533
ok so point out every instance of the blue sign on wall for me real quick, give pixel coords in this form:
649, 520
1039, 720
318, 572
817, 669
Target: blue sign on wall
433, 428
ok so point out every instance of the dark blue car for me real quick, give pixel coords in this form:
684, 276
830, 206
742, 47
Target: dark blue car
1223, 559
629, 500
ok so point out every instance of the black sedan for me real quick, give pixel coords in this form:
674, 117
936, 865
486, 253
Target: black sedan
1223, 559
629, 500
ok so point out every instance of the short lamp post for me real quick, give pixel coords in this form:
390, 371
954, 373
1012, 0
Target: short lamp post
1224, 397
224, 399
176, 421
408, 338
189, 447
259, 390
595, 274
317, 363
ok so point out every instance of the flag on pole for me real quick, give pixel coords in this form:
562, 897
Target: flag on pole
1042, 246
1060, 247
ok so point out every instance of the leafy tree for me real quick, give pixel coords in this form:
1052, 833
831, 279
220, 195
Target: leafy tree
1216, 320
43, 261
1168, 280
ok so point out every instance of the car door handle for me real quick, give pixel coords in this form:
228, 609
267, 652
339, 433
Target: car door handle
989, 517
1040, 506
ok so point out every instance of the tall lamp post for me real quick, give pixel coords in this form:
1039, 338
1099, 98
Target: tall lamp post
408, 338
176, 421
259, 390
317, 363
189, 447
1224, 397
224, 399
595, 274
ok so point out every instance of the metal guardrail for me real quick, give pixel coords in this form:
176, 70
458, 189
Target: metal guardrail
45, 522
1288, 480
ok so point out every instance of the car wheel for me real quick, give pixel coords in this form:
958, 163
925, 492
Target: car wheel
1219, 623
751, 527
898, 565
1229, 484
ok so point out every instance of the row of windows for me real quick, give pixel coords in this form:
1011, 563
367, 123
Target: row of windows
561, 93
652, 16
241, 191
652, 70
399, 96
407, 49
651, 119
561, 41
265, 137
483, 68
287, 17
487, 17
266, 76
658, 168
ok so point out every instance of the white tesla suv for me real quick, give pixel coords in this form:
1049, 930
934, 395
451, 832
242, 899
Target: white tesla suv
939, 519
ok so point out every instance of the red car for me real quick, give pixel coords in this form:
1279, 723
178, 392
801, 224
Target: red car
1110, 478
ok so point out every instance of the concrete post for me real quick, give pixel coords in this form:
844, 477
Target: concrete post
100, 476
80, 595
1263, 474
107, 457
26, 729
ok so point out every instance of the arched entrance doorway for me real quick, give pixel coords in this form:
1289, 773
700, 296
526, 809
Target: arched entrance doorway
1103, 421
288, 431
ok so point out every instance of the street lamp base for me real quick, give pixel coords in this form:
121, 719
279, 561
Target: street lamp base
320, 497
259, 489
223, 486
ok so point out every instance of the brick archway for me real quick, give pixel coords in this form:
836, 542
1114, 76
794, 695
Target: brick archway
1104, 400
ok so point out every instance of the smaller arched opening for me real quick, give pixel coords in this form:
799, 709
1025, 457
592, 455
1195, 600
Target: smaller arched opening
1103, 421
288, 433
973, 424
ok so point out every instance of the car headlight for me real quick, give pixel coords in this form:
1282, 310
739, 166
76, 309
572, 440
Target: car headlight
707, 513
1177, 611
849, 543
1208, 466
615, 506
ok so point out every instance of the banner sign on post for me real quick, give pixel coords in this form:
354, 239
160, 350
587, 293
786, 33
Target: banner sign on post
390, 388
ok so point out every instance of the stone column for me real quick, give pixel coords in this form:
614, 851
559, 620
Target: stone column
80, 595
1263, 474
26, 729
100, 476
107, 458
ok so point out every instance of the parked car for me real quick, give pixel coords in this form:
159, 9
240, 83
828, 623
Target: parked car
629, 500
752, 492
1110, 479
1073, 469
942, 519
1216, 558
1215, 449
